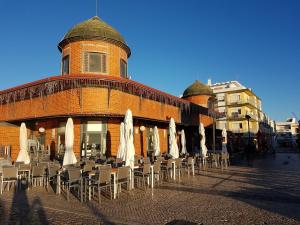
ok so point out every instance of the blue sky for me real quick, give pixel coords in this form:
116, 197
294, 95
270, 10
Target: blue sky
173, 43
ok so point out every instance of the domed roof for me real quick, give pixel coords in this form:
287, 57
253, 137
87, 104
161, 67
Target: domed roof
94, 29
197, 88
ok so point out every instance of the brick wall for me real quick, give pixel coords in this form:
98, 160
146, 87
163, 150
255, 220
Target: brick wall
114, 55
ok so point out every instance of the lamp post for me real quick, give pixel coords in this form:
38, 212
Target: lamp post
248, 118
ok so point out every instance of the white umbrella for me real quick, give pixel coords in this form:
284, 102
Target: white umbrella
129, 147
224, 140
156, 142
202, 142
121, 149
23, 153
183, 142
173, 147
69, 157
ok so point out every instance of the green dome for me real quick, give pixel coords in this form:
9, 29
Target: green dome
94, 29
197, 88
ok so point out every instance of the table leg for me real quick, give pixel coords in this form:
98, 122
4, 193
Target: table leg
193, 167
115, 185
90, 187
152, 177
58, 184
174, 171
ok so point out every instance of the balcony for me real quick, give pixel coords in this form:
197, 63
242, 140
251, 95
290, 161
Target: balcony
242, 102
237, 116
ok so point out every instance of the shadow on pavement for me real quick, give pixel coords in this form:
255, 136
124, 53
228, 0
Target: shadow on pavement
276, 191
22, 213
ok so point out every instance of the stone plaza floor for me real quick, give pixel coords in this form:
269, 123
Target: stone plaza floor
266, 193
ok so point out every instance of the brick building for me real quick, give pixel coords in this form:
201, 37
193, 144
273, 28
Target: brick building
94, 89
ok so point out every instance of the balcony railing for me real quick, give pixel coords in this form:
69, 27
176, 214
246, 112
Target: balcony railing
240, 102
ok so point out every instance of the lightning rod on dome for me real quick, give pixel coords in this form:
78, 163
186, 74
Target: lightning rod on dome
96, 7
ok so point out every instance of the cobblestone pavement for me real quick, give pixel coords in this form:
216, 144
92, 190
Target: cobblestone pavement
267, 193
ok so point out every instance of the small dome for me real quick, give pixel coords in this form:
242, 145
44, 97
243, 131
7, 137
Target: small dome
94, 29
197, 88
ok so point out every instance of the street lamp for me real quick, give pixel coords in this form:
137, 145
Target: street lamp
248, 118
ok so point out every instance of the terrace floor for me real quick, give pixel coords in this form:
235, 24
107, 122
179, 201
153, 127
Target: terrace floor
266, 193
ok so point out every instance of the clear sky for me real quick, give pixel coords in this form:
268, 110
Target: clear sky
173, 43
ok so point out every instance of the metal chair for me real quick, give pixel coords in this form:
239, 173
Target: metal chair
143, 174
74, 180
9, 176
157, 172
52, 174
38, 173
123, 177
103, 180
167, 169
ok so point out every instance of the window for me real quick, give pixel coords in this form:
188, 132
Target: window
239, 111
123, 68
241, 126
93, 138
94, 62
65, 64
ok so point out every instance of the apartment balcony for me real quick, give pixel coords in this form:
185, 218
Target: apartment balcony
242, 102
237, 116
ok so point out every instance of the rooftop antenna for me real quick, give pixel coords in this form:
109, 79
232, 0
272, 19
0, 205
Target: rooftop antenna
96, 7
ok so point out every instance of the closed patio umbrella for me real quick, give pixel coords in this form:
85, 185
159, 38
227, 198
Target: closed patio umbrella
183, 142
129, 147
23, 153
69, 157
121, 149
173, 147
202, 142
224, 140
156, 142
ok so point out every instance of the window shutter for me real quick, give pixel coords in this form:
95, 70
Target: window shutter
103, 63
86, 62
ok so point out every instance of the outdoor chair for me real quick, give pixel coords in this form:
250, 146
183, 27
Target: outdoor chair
189, 164
157, 172
166, 169
24, 172
103, 180
143, 174
38, 174
224, 160
123, 177
74, 181
213, 160
9, 176
52, 174
178, 167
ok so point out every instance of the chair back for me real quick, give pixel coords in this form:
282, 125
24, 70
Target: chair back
119, 160
156, 167
52, 170
90, 162
123, 172
146, 168
44, 164
9, 173
169, 163
105, 175
74, 174
87, 168
178, 163
190, 160
107, 166
146, 160
16, 164
25, 166
38, 171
